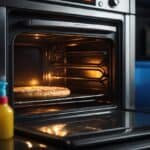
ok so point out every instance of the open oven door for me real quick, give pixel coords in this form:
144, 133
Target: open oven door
78, 129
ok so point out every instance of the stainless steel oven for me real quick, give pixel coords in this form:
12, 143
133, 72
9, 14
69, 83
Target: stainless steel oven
71, 62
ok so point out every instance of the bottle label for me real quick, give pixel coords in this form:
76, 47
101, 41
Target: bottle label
3, 100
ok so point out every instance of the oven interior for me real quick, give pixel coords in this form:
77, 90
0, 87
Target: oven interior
54, 72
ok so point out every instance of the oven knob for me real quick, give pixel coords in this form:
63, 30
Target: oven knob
114, 3
100, 4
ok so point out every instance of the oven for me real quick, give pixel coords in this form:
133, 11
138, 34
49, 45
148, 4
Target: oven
69, 66
72, 64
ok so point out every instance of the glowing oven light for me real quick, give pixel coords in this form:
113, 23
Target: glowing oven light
36, 36
42, 146
72, 44
34, 82
95, 61
94, 74
29, 144
49, 75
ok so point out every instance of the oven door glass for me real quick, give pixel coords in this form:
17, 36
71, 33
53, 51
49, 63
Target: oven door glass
78, 130
59, 70
82, 132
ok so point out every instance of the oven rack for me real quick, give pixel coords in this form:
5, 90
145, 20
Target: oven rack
21, 102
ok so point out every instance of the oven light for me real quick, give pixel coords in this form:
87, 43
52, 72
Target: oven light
72, 44
29, 144
36, 36
94, 74
42, 146
95, 61
49, 75
34, 82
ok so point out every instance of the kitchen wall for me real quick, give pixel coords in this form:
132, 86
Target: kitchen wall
142, 23
142, 74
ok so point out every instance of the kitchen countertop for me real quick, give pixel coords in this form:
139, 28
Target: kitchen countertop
20, 143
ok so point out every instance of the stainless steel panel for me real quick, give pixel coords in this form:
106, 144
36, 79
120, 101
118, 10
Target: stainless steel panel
2, 43
123, 6
47, 23
129, 61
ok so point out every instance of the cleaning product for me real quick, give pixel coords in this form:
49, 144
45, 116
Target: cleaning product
6, 114
7, 144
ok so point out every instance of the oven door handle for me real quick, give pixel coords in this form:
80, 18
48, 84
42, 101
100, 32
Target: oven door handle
67, 24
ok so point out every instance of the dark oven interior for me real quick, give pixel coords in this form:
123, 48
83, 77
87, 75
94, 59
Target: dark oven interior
65, 69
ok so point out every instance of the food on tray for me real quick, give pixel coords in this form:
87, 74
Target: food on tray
41, 92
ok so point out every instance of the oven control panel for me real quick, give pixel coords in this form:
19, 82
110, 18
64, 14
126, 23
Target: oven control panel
110, 3
124, 6
114, 5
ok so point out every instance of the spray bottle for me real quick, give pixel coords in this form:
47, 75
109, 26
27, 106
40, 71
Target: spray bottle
6, 114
